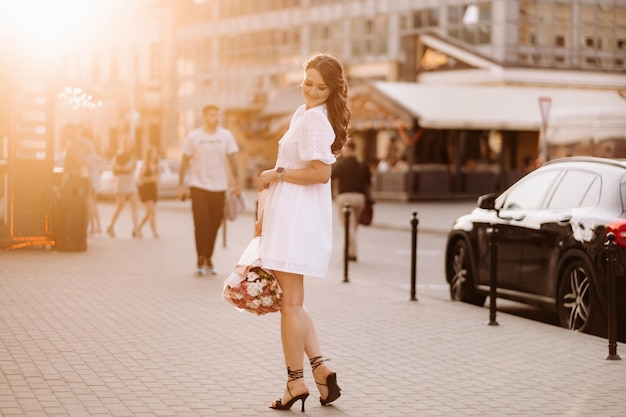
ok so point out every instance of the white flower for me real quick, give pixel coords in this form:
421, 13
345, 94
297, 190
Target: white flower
255, 304
252, 276
254, 289
267, 301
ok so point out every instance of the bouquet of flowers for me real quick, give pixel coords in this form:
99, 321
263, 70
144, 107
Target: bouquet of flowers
257, 292
250, 287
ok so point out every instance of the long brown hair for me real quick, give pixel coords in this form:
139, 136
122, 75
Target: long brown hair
331, 71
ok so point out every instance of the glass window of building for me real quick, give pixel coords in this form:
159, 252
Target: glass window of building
404, 22
289, 46
370, 36
426, 18
470, 23
582, 34
322, 36
381, 34
235, 8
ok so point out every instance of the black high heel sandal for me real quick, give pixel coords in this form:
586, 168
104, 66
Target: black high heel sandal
292, 376
334, 391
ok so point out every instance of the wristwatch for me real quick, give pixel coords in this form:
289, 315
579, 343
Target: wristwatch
279, 173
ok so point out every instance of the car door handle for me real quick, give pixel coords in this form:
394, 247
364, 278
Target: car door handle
564, 219
518, 217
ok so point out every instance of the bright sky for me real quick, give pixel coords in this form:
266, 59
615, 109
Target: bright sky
51, 26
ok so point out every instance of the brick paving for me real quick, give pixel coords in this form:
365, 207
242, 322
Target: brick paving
126, 329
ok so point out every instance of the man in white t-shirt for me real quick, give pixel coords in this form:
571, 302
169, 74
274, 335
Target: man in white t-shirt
205, 152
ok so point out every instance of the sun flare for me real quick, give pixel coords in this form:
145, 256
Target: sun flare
50, 26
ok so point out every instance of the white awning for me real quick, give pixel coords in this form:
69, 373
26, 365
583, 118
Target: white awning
596, 124
490, 107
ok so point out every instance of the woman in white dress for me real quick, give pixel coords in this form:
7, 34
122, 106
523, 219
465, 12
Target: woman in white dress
297, 220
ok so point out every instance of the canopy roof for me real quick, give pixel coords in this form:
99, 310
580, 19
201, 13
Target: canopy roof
574, 113
580, 124
490, 107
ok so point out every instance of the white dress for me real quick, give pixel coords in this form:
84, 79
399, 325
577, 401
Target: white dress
297, 220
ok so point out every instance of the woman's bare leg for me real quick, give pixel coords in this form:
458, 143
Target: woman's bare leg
312, 350
293, 328
146, 216
120, 202
149, 217
134, 202
94, 215
152, 218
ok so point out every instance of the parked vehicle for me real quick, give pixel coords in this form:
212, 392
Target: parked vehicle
168, 181
551, 232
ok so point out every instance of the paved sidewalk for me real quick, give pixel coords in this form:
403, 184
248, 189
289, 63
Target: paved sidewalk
125, 329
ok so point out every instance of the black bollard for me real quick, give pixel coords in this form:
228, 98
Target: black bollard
492, 231
224, 232
346, 256
611, 259
414, 223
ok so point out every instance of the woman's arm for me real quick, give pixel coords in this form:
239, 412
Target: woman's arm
234, 168
316, 173
184, 164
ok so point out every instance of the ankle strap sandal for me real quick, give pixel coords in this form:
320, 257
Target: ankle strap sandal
291, 376
334, 391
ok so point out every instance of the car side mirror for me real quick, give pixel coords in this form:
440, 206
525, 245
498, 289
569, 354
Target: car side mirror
487, 201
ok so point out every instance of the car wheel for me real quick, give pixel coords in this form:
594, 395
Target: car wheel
577, 304
461, 276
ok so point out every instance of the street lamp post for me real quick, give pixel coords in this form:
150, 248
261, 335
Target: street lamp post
544, 105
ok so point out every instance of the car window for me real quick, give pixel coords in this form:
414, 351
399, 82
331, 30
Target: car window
529, 192
576, 189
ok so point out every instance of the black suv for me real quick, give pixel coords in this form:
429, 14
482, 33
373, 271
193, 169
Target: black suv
551, 232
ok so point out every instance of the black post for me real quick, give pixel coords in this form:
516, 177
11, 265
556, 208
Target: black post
346, 256
414, 223
224, 231
492, 231
611, 259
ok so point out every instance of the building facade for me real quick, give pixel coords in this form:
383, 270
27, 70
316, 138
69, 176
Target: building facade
164, 59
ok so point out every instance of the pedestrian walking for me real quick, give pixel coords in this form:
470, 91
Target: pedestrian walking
126, 185
93, 165
353, 179
206, 151
297, 219
147, 186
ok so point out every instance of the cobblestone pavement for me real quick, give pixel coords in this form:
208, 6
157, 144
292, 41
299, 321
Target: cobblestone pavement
126, 329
